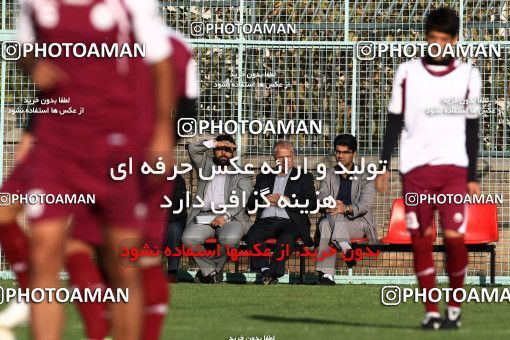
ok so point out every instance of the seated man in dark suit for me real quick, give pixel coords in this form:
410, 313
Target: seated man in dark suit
285, 224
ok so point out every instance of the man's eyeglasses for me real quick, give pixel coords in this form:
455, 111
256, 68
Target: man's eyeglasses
226, 149
344, 152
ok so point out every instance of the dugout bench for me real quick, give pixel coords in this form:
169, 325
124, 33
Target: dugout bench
480, 236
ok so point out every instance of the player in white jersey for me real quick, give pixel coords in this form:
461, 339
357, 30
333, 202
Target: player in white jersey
436, 104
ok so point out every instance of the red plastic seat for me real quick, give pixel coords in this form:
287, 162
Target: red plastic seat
481, 224
397, 231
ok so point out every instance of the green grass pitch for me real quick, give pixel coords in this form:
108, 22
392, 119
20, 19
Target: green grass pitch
210, 312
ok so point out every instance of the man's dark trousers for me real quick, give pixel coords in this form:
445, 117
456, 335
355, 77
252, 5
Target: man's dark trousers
284, 231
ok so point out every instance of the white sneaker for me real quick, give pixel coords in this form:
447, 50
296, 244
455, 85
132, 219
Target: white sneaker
16, 314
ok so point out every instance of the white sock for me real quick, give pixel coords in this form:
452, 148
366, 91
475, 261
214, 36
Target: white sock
453, 312
346, 246
329, 276
432, 315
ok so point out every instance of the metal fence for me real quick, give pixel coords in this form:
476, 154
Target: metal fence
319, 78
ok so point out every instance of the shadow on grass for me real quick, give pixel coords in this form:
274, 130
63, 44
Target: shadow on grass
272, 318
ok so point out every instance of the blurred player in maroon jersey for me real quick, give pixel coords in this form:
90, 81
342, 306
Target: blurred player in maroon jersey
437, 154
86, 233
86, 229
15, 244
73, 153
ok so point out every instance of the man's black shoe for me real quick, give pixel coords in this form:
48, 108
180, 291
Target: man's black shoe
349, 254
324, 281
217, 278
269, 280
431, 323
200, 278
451, 320
262, 276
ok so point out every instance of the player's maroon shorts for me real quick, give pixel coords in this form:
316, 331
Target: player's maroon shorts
16, 182
427, 188
86, 225
157, 216
84, 181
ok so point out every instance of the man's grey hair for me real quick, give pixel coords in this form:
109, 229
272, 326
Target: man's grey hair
284, 144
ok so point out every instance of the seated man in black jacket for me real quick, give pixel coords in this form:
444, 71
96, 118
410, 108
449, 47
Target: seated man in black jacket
285, 224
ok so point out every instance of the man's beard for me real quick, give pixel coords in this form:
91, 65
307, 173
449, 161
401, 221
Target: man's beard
224, 161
